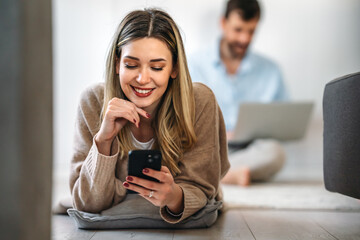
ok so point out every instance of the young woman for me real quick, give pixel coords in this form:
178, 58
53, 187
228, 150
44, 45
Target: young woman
148, 102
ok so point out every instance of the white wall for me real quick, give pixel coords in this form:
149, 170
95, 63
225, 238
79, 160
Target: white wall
312, 41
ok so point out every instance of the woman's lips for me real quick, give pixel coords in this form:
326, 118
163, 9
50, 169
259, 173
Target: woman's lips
142, 92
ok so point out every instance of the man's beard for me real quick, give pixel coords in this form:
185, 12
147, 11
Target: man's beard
237, 50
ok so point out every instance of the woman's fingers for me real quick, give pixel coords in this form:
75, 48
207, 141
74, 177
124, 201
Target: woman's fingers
147, 184
165, 179
114, 113
143, 112
134, 108
137, 188
121, 103
118, 113
124, 114
150, 195
163, 175
125, 109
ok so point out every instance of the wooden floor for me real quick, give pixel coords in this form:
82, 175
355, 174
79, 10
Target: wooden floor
236, 224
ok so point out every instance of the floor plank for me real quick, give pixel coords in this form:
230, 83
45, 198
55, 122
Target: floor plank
229, 226
64, 228
287, 225
138, 234
342, 225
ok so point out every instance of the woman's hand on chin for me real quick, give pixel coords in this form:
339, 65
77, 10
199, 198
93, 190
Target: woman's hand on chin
118, 113
163, 193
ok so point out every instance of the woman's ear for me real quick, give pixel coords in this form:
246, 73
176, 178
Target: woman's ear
174, 72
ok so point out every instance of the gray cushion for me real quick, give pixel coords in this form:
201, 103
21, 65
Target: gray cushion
136, 212
341, 112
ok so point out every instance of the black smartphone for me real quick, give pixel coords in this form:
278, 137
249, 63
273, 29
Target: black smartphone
140, 159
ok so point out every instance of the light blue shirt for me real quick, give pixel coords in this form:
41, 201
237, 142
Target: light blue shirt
258, 79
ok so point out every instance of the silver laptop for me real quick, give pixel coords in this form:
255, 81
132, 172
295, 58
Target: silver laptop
278, 120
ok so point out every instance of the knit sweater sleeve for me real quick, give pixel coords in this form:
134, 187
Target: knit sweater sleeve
93, 184
206, 163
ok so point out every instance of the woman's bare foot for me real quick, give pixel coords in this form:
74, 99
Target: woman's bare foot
239, 176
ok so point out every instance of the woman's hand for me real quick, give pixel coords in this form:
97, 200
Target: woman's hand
165, 193
118, 113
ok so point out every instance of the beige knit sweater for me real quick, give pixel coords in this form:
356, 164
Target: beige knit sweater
96, 180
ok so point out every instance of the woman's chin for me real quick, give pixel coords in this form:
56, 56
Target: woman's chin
146, 105
142, 103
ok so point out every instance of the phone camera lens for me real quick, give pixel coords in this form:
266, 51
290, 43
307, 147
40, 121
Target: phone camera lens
150, 160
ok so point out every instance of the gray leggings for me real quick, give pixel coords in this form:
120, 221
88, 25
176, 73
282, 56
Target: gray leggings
264, 158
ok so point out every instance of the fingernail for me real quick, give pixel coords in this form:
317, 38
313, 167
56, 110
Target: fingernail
145, 170
126, 184
148, 115
134, 120
129, 179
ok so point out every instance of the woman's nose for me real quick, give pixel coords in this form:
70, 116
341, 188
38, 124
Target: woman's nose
143, 77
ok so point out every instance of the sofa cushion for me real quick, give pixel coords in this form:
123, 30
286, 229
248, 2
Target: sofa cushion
136, 212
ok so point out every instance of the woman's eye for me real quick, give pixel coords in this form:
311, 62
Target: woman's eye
130, 66
157, 68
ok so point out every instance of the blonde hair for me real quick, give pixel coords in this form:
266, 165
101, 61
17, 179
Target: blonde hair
174, 121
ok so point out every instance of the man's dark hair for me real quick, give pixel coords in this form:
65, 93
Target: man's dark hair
247, 9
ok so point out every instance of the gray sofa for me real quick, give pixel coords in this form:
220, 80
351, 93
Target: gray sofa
341, 112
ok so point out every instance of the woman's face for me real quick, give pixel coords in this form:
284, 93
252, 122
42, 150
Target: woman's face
144, 69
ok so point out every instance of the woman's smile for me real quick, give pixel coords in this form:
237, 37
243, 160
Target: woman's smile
142, 92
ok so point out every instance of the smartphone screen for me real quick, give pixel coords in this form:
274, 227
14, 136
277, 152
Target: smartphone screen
140, 159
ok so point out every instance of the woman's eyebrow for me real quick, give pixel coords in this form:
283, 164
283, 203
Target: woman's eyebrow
158, 60
152, 60
131, 57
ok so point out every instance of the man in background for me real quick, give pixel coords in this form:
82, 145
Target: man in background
237, 75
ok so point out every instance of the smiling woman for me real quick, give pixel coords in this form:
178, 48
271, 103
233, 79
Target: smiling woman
149, 100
